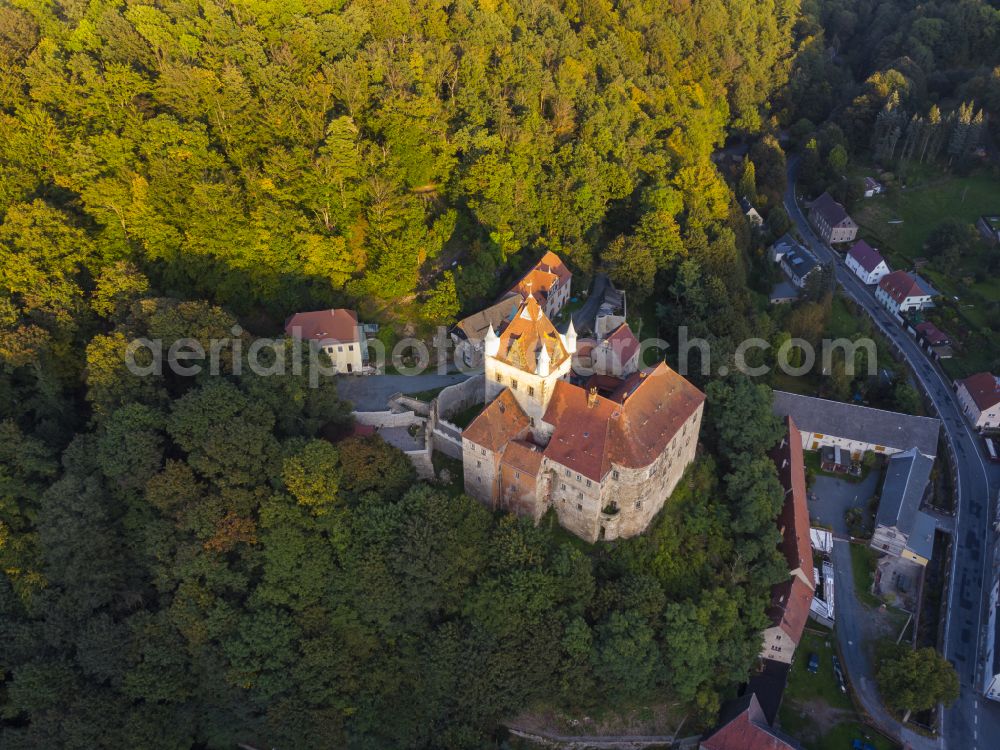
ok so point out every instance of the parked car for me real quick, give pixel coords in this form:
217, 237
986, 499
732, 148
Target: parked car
813, 665
840, 674
992, 448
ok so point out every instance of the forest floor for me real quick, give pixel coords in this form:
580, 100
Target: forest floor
648, 720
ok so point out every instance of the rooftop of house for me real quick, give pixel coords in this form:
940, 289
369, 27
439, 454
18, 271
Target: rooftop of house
338, 325
832, 212
800, 261
992, 220
906, 478
932, 334
900, 286
925, 286
524, 336
794, 518
629, 428
862, 423
475, 326
622, 342
744, 727
746, 205
542, 276
984, 388
790, 599
501, 421
524, 456
866, 256
871, 183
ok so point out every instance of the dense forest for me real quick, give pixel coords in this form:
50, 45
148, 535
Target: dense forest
209, 560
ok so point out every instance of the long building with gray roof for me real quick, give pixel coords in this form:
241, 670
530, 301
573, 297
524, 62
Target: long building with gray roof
857, 428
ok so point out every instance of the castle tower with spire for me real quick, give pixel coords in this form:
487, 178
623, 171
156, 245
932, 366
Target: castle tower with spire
528, 356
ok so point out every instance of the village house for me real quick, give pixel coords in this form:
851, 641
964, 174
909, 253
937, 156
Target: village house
605, 461
979, 396
900, 293
933, 339
872, 187
548, 281
753, 216
866, 263
831, 222
468, 333
791, 599
337, 333
901, 528
743, 726
857, 429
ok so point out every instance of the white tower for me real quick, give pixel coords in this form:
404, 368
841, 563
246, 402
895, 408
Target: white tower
569, 338
491, 343
544, 361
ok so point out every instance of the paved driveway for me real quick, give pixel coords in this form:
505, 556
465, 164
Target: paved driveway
371, 392
830, 498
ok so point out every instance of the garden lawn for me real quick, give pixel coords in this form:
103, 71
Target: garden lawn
814, 711
863, 570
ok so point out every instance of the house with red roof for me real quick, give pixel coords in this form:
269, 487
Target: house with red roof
548, 281
899, 292
336, 332
616, 355
979, 396
792, 598
866, 263
745, 727
605, 457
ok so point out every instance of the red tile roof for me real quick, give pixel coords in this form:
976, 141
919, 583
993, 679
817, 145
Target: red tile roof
984, 388
933, 335
866, 255
630, 428
900, 285
623, 342
794, 517
748, 730
540, 279
500, 422
790, 599
525, 334
523, 455
340, 325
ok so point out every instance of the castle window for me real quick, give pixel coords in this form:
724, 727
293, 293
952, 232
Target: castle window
499, 378
483, 450
578, 477
568, 472
579, 496
340, 348
517, 475
638, 504
513, 384
531, 390
562, 486
614, 474
588, 482
479, 463
579, 506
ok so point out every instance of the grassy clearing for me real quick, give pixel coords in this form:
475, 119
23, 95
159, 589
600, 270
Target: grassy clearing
428, 395
814, 710
929, 198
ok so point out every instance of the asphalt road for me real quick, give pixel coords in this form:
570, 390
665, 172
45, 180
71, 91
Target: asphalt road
973, 722
372, 392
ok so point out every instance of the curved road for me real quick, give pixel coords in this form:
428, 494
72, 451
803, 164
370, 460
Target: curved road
973, 723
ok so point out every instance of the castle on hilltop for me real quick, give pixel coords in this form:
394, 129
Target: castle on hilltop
605, 452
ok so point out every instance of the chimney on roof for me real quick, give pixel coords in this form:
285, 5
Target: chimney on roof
592, 396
